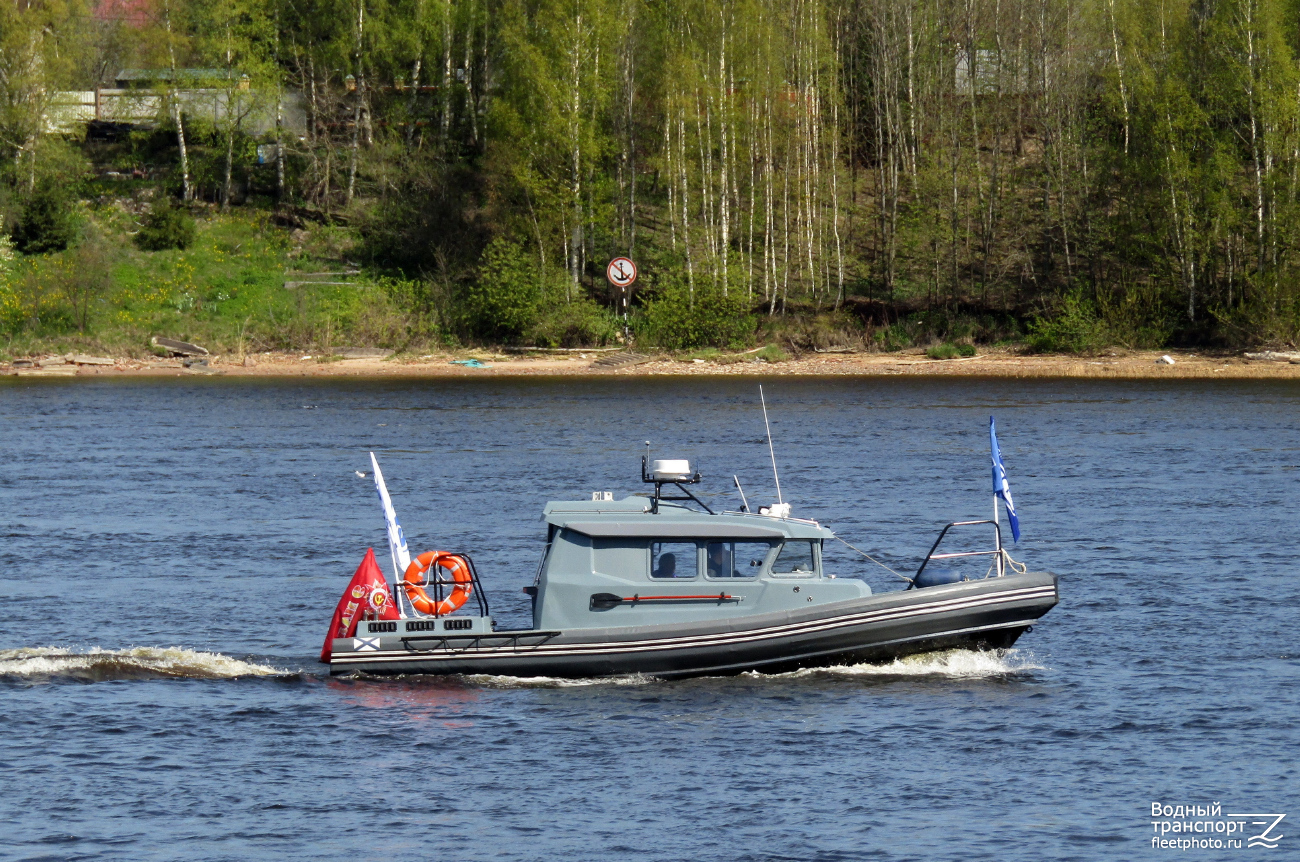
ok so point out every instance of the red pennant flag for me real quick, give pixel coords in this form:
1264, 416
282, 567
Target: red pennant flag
367, 593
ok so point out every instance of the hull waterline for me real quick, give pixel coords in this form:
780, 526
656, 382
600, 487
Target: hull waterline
990, 613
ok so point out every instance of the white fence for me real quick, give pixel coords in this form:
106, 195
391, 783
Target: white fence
70, 110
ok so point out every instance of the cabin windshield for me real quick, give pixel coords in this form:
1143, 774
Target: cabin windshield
795, 559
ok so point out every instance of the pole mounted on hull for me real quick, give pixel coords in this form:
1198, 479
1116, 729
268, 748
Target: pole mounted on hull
770, 451
744, 502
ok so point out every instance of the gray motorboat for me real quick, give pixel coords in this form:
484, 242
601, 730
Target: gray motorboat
660, 584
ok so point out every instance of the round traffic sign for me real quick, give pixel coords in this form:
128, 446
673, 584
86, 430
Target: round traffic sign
621, 271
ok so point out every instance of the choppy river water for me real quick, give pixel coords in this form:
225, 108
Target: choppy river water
170, 554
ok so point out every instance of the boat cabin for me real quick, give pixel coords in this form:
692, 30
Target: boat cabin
650, 561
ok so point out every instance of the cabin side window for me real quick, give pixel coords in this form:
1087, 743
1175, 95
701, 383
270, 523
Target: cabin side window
621, 558
673, 560
735, 559
795, 560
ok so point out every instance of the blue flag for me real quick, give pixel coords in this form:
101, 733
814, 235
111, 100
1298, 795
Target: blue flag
1000, 486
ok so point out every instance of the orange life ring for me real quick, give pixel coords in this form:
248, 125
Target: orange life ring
457, 565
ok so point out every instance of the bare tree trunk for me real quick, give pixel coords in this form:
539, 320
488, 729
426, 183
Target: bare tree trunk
685, 203
911, 96
724, 101
575, 143
412, 102
230, 162
835, 205
279, 143
627, 167
972, 58
446, 72
537, 228
753, 151
358, 96
1252, 73
1119, 69
785, 230
177, 116
469, 74
670, 168
703, 129
231, 114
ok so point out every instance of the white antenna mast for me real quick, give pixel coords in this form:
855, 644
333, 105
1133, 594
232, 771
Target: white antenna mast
770, 450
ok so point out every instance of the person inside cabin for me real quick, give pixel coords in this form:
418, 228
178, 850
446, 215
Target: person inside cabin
667, 566
719, 560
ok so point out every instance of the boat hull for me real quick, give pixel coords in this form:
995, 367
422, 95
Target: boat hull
990, 613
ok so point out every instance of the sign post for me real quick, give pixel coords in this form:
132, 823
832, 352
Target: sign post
621, 273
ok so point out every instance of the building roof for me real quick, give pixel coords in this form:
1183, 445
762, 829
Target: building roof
128, 77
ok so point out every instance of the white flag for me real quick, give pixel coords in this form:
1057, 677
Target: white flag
396, 538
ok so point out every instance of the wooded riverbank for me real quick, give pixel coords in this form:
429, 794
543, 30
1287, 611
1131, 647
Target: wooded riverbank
1067, 176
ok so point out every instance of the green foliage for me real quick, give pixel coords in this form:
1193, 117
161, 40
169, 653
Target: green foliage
811, 329
896, 336
581, 323
514, 299
31, 301
429, 223
89, 279
504, 301
948, 350
6, 247
772, 353
167, 226
48, 222
1075, 328
680, 318
1144, 192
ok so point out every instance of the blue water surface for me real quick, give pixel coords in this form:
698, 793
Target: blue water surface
225, 517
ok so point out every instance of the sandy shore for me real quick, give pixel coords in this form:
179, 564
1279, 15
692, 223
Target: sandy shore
1126, 365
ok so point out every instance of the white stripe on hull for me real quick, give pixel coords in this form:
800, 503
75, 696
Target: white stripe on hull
696, 641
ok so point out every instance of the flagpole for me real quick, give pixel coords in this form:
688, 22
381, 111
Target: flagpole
997, 522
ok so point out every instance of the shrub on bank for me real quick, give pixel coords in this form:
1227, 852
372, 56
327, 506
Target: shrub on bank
167, 226
680, 318
948, 350
773, 353
503, 302
806, 328
581, 323
1075, 328
48, 221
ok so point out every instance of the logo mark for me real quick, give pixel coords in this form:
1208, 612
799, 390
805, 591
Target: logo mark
1263, 839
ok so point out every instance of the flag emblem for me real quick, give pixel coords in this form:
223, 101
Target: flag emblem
366, 595
365, 644
1001, 487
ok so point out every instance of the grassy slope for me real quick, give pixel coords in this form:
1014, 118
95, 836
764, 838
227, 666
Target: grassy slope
225, 292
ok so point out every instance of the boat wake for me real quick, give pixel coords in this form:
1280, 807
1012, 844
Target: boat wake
493, 681
945, 664
52, 664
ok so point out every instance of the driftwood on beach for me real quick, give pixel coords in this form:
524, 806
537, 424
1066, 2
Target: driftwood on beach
178, 348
